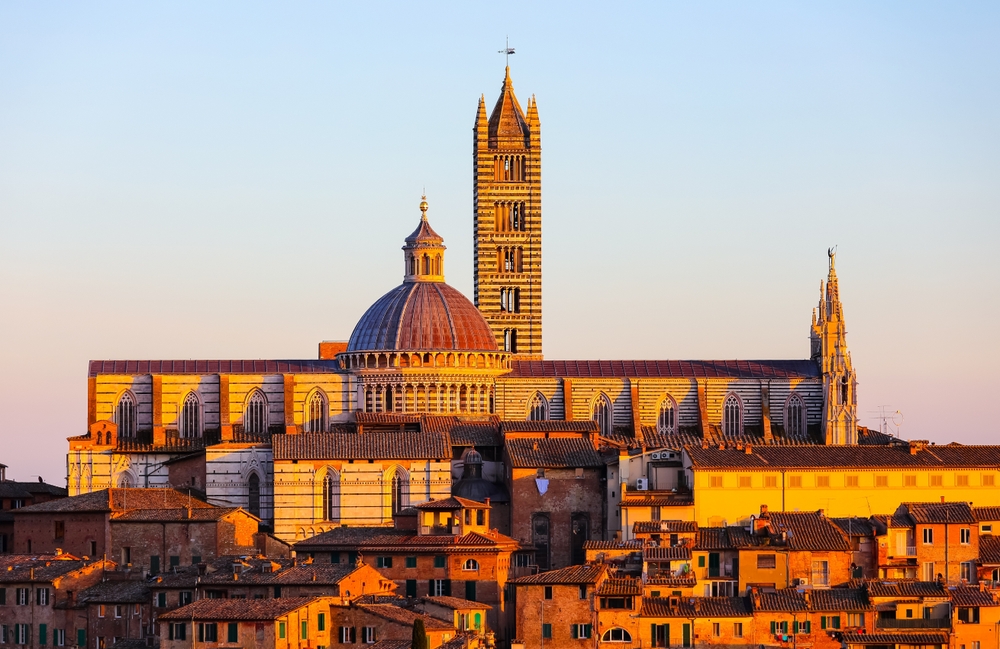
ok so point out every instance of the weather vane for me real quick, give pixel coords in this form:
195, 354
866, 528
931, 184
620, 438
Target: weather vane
507, 51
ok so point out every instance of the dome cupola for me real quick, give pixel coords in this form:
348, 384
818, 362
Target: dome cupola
423, 252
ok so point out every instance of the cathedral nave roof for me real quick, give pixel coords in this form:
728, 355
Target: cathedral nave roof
732, 369
369, 445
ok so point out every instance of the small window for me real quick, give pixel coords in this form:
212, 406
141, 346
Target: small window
305, 629
962, 480
548, 592
547, 631
439, 561
383, 562
715, 481
233, 632
745, 482
851, 481
255, 414
411, 562
909, 481
737, 629
937, 480
823, 481
716, 629
989, 480
881, 481
616, 635
770, 481
766, 561
369, 635
345, 634
316, 413
965, 535
795, 481
928, 536
580, 631
667, 419
471, 564
583, 591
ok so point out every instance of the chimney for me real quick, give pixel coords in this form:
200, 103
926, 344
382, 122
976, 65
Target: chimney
821, 513
328, 349
942, 499
805, 596
748, 449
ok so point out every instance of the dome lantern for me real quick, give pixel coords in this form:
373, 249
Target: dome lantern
423, 252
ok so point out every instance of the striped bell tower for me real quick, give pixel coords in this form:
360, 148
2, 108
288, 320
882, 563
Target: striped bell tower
507, 199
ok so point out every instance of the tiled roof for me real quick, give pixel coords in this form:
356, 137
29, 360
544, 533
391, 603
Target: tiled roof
654, 439
450, 503
656, 499
810, 531
392, 644
896, 638
855, 526
386, 418
585, 574
370, 445
971, 596
771, 458
553, 452
120, 500
237, 609
723, 538
465, 431
666, 369
695, 607
612, 545
198, 515
677, 581
986, 514
403, 616
455, 602
883, 522
904, 588
116, 592
624, 586
989, 549
214, 367
676, 553
954, 512
36, 568
667, 527
838, 599
549, 426
13, 490
348, 537
785, 600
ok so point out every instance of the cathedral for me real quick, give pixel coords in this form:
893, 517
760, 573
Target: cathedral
428, 379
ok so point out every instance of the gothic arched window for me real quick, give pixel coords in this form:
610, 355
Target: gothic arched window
190, 424
331, 496
795, 421
316, 413
732, 416
399, 491
666, 422
255, 413
253, 495
538, 408
602, 414
125, 415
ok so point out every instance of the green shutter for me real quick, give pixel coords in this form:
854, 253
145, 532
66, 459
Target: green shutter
836, 621
281, 630
588, 629
411, 562
43, 634
795, 626
822, 622
470, 591
806, 626
81, 637
774, 627
154, 564
234, 632
321, 622
572, 631
701, 561
305, 629
547, 631
411, 587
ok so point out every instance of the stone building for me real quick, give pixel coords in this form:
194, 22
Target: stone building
306, 445
15, 495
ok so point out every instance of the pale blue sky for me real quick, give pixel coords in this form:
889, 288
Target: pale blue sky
234, 180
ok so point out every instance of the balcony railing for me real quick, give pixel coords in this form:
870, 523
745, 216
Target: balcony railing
920, 623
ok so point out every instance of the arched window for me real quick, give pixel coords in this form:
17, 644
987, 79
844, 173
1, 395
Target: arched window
124, 482
253, 495
399, 490
616, 634
331, 496
316, 413
190, 424
255, 414
602, 414
388, 400
125, 414
732, 416
845, 390
538, 408
667, 420
470, 564
795, 421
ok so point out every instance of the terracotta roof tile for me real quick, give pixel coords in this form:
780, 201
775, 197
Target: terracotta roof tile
612, 545
549, 426
784, 600
986, 514
370, 445
772, 458
620, 586
553, 452
723, 538
855, 526
895, 638
904, 588
133, 367
656, 499
923, 513
666, 369
196, 515
838, 599
465, 431
585, 574
37, 568
455, 602
237, 609
349, 537
810, 531
121, 500
677, 581
971, 596
989, 550
664, 527
676, 553
695, 607
450, 503
403, 616
116, 592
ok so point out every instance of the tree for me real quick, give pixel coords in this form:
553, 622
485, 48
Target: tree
420, 640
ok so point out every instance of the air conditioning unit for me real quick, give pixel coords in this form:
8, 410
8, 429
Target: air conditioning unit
803, 581
642, 484
655, 456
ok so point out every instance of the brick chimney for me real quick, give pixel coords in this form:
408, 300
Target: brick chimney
328, 349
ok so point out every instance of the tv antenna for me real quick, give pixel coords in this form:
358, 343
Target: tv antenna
507, 51
890, 423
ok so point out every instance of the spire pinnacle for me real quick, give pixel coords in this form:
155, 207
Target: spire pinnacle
423, 208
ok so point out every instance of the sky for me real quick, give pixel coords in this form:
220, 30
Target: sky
235, 179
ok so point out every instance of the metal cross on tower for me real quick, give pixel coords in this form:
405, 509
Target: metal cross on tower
507, 51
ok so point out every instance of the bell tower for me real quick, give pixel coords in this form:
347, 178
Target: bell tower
828, 340
507, 226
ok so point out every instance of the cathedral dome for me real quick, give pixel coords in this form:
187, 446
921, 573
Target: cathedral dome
423, 313
422, 316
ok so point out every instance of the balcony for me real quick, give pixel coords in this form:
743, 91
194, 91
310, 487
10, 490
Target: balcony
892, 623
